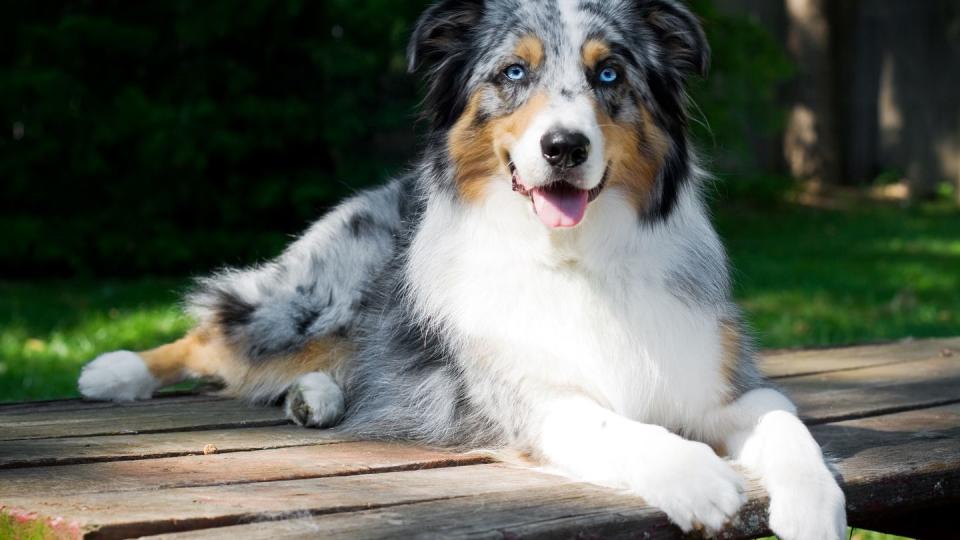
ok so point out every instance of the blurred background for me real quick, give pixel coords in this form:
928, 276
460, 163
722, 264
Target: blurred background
142, 143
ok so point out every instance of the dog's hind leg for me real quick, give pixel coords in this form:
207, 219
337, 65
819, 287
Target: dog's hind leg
314, 399
285, 324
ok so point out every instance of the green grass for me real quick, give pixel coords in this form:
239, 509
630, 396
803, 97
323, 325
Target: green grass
812, 277
49, 329
806, 277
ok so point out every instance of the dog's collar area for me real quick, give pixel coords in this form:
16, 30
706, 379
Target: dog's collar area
518, 186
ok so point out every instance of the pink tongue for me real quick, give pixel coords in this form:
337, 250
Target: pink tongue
560, 208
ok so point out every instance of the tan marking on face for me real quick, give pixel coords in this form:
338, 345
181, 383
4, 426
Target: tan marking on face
480, 151
530, 50
594, 51
635, 152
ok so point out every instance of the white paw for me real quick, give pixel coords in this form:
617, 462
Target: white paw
315, 400
808, 508
118, 376
693, 486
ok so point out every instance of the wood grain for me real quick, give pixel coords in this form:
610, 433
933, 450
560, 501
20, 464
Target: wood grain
842, 395
229, 468
124, 514
75, 450
163, 416
890, 415
894, 463
781, 364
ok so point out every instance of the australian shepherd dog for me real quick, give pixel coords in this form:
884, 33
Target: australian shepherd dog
545, 280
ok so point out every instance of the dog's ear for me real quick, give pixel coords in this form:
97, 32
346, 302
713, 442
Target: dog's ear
441, 31
440, 48
679, 34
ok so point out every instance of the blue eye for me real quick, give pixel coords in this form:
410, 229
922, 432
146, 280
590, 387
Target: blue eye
609, 75
515, 72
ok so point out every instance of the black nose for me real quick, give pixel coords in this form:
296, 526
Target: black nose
565, 149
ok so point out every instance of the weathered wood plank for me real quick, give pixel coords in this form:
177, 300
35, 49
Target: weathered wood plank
230, 468
895, 463
120, 420
909, 460
570, 511
124, 514
842, 395
780, 364
74, 450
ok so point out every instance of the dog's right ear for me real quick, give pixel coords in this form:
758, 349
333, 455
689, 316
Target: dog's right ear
442, 31
440, 48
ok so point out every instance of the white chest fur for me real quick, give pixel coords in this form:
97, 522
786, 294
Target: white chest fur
586, 309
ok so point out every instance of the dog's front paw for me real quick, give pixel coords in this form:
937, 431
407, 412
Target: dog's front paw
315, 400
693, 486
808, 508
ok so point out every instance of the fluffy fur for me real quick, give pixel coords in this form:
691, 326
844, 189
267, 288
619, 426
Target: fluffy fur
470, 303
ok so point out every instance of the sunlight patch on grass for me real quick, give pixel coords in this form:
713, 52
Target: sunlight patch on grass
48, 331
823, 277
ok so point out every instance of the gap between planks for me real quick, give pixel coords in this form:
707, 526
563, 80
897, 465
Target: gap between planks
99, 449
257, 466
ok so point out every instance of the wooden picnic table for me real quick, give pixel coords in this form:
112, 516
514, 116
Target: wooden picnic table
196, 466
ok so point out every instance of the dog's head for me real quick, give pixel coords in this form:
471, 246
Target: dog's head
562, 98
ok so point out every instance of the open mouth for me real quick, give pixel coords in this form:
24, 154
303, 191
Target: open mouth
559, 205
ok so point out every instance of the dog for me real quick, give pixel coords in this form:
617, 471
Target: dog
545, 279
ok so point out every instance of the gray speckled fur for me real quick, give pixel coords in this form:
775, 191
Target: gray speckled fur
315, 287
346, 275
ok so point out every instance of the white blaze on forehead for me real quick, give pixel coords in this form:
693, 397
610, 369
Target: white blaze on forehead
569, 65
572, 21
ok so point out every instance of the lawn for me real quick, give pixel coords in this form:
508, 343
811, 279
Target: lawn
814, 277
805, 276
49, 329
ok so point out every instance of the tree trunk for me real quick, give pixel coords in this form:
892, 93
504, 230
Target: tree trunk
811, 142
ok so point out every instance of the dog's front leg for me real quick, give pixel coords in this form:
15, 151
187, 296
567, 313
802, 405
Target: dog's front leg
685, 479
772, 443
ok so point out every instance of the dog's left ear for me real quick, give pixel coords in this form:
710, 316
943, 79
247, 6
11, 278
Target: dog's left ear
680, 35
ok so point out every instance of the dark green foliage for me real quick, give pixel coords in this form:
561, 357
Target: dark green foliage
738, 108
164, 137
